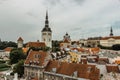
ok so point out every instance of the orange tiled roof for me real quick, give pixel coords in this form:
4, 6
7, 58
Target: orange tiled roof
111, 68
66, 41
95, 50
78, 49
117, 61
69, 68
52, 64
25, 50
114, 37
20, 39
36, 57
8, 49
35, 44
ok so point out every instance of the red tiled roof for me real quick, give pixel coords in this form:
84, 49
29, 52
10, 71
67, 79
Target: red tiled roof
35, 44
8, 49
52, 64
66, 41
112, 68
20, 39
78, 49
95, 50
36, 57
114, 37
69, 68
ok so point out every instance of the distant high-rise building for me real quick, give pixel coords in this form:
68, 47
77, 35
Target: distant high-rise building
111, 32
47, 33
20, 42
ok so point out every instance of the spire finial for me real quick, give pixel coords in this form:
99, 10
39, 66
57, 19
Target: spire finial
111, 31
46, 21
46, 28
46, 14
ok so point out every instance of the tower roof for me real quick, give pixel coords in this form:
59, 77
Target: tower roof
20, 39
46, 28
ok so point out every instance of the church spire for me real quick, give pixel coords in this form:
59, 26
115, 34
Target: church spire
111, 32
46, 28
46, 21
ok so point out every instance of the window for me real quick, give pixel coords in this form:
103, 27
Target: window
75, 74
49, 34
44, 33
44, 39
89, 69
37, 55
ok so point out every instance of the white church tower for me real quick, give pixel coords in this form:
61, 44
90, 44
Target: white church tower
47, 33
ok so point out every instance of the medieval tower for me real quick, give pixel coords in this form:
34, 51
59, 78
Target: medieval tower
47, 33
20, 42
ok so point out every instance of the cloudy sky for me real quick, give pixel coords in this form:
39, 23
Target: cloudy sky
80, 18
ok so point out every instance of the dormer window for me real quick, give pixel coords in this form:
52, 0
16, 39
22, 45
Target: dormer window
30, 62
54, 70
75, 74
37, 55
89, 69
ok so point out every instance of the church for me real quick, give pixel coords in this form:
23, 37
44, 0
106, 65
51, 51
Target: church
110, 40
47, 33
46, 39
107, 41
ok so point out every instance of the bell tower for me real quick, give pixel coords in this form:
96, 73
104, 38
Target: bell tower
47, 33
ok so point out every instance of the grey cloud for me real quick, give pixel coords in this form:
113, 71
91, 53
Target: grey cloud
25, 18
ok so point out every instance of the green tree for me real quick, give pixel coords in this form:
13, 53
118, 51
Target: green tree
116, 47
19, 68
5, 44
56, 45
16, 55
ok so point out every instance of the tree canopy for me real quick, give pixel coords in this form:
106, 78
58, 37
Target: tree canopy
56, 45
5, 44
16, 55
116, 47
19, 68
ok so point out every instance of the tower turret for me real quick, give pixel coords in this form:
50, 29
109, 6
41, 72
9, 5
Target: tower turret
20, 42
